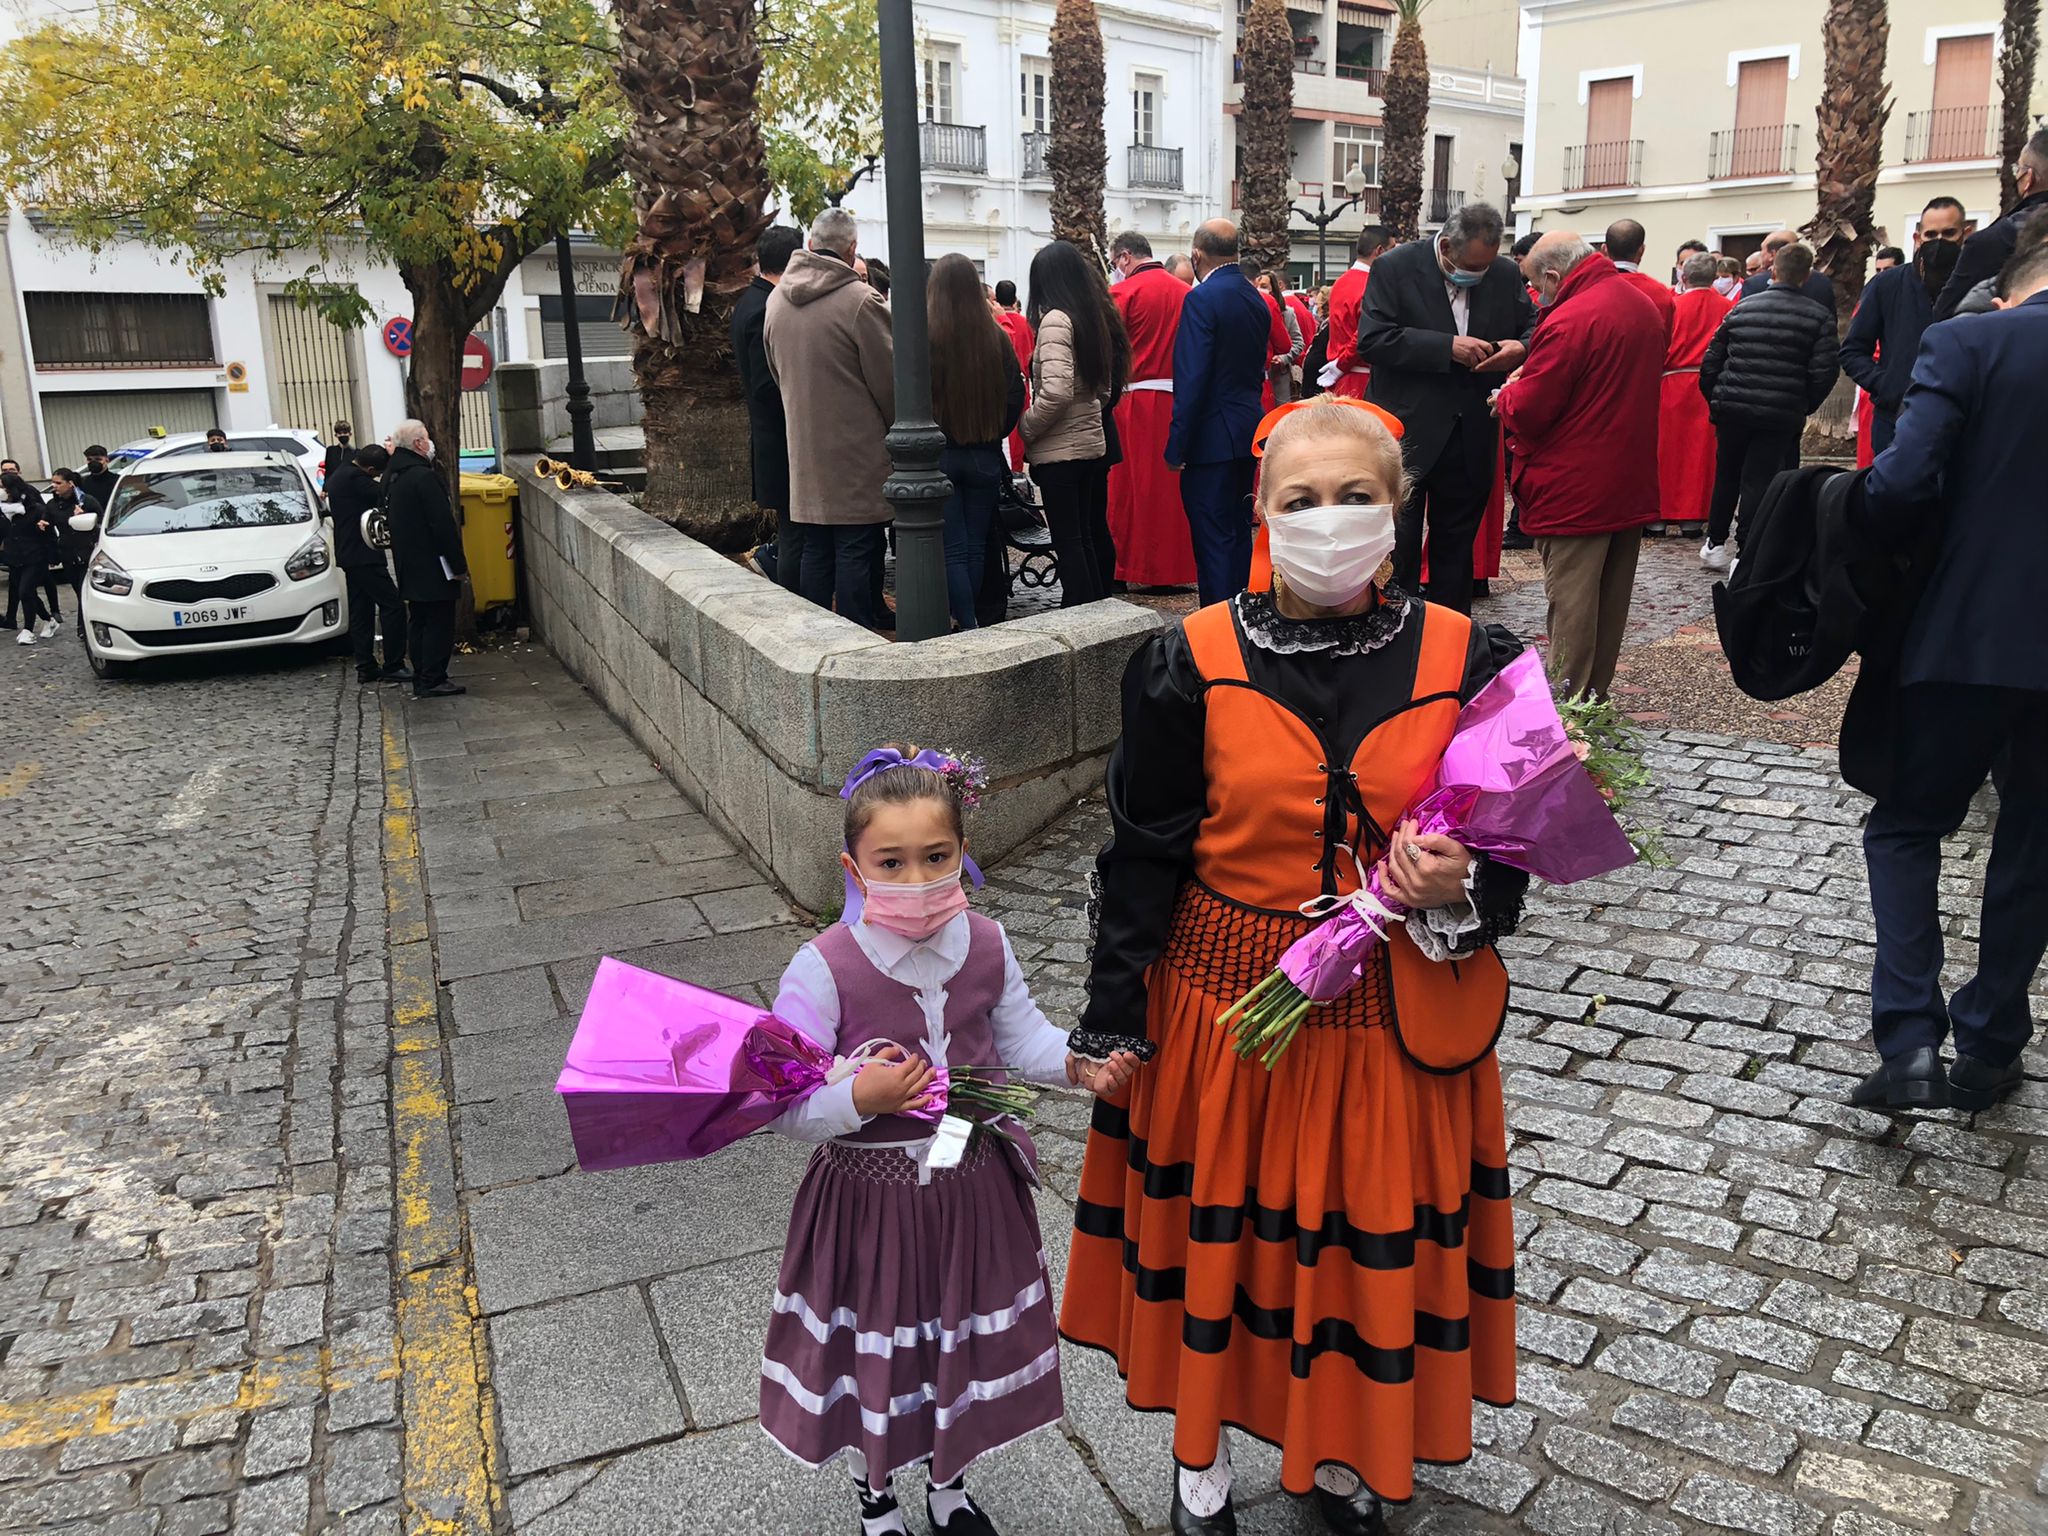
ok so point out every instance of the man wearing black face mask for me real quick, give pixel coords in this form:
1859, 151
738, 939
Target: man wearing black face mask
1897, 305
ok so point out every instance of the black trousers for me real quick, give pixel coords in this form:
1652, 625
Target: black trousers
1076, 497
373, 604
1746, 459
1948, 737
1445, 503
22, 597
842, 567
791, 538
55, 580
431, 641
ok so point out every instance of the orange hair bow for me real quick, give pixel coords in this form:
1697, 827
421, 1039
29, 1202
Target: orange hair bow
1272, 418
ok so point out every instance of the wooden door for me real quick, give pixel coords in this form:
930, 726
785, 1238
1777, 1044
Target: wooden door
1610, 110
1760, 89
1959, 126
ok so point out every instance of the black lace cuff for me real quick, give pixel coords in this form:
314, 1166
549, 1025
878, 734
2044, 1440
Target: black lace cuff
1497, 894
1098, 1044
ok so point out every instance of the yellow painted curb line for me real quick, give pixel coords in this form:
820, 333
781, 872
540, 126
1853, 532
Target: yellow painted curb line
450, 1483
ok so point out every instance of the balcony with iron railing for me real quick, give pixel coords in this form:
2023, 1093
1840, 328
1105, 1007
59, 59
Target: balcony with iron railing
1375, 79
953, 147
1443, 202
1594, 167
1952, 133
1155, 169
1770, 150
1036, 146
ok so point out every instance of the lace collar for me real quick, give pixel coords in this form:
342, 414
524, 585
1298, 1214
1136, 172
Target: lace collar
1270, 630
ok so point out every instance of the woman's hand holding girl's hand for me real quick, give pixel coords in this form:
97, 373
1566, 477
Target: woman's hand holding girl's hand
1424, 869
894, 1081
1101, 1077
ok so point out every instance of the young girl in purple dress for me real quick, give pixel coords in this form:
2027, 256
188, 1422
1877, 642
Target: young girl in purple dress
913, 1320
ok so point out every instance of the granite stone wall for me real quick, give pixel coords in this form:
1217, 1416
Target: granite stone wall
756, 703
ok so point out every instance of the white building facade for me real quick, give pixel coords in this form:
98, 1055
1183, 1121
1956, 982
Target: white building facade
985, 68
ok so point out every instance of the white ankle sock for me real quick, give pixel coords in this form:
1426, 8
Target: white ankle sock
888, 1521
947, 1500
1206, 1491
1341, 1481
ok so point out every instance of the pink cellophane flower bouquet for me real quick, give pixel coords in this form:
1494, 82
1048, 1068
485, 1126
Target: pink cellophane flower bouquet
1512, 786
660, 1071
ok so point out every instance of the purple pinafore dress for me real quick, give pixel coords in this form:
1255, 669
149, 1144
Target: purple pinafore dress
913, 1321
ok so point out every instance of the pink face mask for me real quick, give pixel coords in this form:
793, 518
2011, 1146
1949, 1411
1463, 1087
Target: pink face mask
914, 911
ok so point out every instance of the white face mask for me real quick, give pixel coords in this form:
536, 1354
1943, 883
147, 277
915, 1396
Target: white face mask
1327, 555
1727, 286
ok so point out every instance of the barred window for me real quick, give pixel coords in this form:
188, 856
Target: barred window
120, 330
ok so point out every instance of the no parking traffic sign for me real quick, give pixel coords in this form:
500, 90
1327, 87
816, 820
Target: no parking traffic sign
398, 336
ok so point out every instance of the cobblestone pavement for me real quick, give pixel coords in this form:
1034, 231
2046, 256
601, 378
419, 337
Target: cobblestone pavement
195, 1173
1746, 1306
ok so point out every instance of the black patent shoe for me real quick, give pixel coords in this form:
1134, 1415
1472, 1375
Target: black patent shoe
873, 1506
967, 1521
1912, 1081
1354, 1514
1187, 1523
1974, 1084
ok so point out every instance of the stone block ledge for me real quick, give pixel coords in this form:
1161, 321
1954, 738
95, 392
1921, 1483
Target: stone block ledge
756, 703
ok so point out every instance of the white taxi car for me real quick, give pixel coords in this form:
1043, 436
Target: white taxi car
211, 552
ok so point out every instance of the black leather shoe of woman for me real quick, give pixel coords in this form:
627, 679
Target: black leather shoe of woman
1352, 1514
1187, 1523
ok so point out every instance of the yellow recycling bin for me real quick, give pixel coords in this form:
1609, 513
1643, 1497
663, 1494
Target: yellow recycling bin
490, 504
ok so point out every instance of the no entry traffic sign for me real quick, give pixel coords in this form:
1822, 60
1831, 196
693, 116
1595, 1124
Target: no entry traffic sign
398, 336
477, 363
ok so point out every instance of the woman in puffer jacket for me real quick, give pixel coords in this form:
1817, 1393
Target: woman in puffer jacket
1074, 375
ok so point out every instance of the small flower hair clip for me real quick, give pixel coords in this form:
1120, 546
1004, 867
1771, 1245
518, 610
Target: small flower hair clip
968, 776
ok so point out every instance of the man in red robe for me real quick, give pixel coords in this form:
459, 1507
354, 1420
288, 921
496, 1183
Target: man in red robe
1153, 545
1344, 374
1685, 437
1010, 316
1624, 247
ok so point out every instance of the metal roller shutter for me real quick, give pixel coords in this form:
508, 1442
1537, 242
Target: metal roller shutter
71, 420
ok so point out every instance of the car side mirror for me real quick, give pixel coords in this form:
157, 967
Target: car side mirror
84, 522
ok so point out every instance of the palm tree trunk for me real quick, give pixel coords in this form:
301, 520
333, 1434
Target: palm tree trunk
700, 185
1407, 122
2016, 90
1077, 152
1849, 145
1265, 130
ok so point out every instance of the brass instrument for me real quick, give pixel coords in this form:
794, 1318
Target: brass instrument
568, 477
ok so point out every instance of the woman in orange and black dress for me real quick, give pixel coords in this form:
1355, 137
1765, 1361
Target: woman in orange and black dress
1320, 1255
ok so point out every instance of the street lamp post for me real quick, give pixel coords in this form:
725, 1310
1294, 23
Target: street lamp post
915, 487
868, 166
583, 442
1323, 216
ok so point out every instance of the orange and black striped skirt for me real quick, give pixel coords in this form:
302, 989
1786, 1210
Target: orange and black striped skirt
1321, 1255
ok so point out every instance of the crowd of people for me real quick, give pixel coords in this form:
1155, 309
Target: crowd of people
46, 540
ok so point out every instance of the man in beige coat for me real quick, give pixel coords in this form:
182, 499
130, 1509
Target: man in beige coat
827, 335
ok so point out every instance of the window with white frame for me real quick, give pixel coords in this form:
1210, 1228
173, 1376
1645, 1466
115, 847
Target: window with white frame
1034, 95
941, 69
1145, 93
1357, 147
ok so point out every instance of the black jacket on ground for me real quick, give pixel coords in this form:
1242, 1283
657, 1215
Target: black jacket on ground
1772, 362
351, 493
1985, 252
767, 427
1405, 330
423, 529
76, 547
100, 487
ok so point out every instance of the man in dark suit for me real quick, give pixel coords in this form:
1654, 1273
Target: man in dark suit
1985, 252
373, 601
1445, 321
1220, 356
1817, 286
1972, 692
426, 546
768, 430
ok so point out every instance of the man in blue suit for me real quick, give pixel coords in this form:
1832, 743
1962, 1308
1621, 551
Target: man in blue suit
1220, 356
1972, 693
